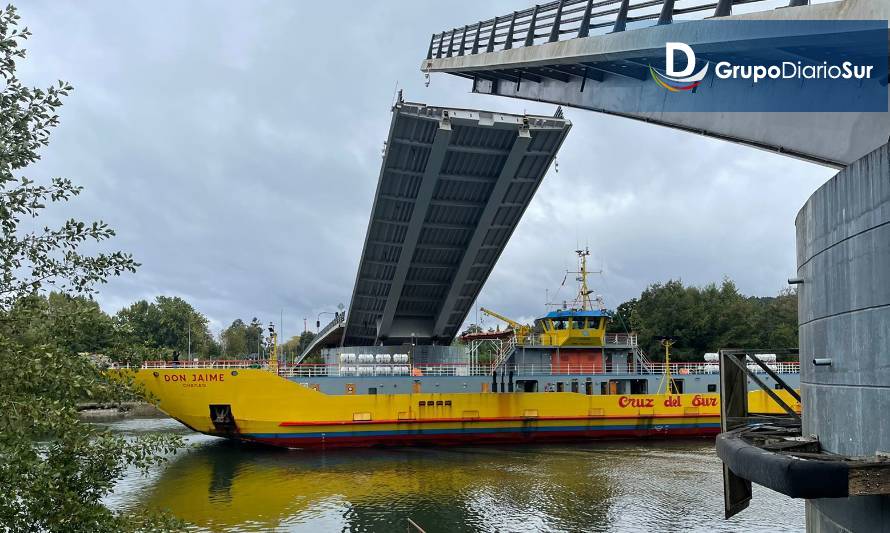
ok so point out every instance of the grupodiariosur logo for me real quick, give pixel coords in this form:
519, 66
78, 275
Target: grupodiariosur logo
679, 80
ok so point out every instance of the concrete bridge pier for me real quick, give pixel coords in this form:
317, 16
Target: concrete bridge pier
843, 257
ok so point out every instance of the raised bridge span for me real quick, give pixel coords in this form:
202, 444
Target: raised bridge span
453, 185
595, 55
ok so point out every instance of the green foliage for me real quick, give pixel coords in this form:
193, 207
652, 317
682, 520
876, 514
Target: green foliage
620, 321
31, 259
170, 324
707, 319
73, 323
54, 470
234, 339
295, 346
76, 324
254, 337
240, 340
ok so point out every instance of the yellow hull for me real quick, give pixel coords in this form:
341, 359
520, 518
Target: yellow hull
257, 405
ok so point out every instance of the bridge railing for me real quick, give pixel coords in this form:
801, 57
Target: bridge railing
568, 19
339, 320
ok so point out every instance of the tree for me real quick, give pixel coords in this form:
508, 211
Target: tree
54, 469
234, 339
296, 344
32, 259
708, 318
137, 323
74, 322
181, 327
168, 323
255, 338
621, 320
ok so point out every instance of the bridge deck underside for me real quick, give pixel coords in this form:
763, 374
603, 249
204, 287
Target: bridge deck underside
452, 188
610, 73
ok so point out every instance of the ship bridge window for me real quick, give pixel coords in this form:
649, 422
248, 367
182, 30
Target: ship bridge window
559, 323
594, 322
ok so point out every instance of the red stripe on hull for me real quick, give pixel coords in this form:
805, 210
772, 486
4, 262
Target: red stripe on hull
513, 437
483, 419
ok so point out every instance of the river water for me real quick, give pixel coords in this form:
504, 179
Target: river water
218, 485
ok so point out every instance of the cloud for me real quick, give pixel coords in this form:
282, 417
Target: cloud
235, 148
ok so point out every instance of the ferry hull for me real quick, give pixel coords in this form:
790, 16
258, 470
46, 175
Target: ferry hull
258, 406
469, 437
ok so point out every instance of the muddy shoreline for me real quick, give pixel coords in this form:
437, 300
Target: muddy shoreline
92, 412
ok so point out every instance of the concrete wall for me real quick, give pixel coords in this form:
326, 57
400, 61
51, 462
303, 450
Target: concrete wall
843, 256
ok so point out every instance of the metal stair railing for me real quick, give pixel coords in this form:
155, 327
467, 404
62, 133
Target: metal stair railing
645, 362
504, 352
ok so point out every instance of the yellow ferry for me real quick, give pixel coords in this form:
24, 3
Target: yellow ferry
563, 378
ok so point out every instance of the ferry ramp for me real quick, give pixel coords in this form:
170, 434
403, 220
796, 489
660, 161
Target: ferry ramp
453, 185
595, 55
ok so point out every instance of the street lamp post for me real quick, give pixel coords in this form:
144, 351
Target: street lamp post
318, 319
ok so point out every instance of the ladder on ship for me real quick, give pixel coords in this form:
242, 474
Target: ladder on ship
503, 353
644, 362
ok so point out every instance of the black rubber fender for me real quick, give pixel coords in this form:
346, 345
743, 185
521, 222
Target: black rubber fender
792, 476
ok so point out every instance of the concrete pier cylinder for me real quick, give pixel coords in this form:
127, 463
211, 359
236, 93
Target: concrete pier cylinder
843, 257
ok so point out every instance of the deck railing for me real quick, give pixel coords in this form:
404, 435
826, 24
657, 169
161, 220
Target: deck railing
568, 19
610, 339
202, 363
462, 369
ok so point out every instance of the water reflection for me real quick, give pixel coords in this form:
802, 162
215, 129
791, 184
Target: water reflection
221, 485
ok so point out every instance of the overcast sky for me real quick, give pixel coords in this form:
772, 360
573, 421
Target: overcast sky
235, 148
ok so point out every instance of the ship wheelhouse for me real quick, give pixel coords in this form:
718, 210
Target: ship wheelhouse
572, 327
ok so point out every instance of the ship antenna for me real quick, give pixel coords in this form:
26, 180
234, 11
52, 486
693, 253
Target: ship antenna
584, 291
273, 353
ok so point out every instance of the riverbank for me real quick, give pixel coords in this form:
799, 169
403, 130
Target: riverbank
94, 412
